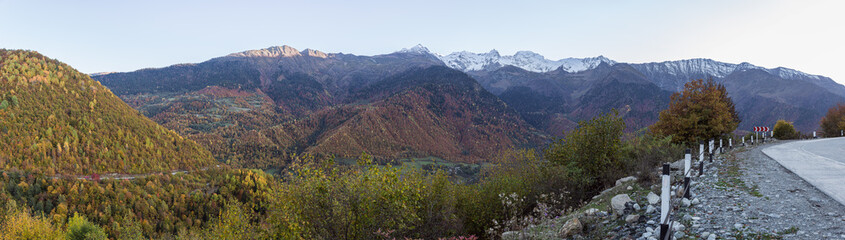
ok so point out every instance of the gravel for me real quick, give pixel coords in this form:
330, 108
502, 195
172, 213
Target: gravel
763, 197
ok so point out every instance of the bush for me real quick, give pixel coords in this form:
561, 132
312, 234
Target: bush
784, 130
323, 201
18, 224
647, 151
79, 228
594, 147
834, 121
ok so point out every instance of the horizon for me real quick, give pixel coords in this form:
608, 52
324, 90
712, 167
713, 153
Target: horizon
102, 36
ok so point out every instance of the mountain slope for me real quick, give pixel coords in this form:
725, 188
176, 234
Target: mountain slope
434, 111
57, 120
548, 98
282, 101
555, 101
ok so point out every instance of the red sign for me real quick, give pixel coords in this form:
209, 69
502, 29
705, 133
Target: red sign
761, 129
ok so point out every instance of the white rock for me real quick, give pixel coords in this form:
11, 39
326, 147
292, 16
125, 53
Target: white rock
678, 226
618, 203
738, 226
653, 198
705, 234
647, 234
650, 209
629, 188
632, 218
637, 207
591, 211
685, 202
695, 201
649, 229
711, 237
651, 222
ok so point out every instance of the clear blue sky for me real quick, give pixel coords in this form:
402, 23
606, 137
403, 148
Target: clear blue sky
100, 36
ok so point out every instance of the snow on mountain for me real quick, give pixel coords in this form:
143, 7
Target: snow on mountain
531, 61
418, 49
708, 67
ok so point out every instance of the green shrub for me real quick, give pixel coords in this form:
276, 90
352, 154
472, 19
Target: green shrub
647, 151
593, 147
79, 228
784, 130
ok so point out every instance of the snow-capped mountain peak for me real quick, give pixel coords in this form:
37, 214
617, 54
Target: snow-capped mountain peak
418, 49
528, 60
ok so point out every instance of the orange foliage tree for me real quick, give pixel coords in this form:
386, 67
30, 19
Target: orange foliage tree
834, 121
702, 111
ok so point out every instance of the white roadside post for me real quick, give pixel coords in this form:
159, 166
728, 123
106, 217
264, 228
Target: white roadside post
731, 143
721, 147
743, 140
814, 134
664, 203
701, 150
710, 149
687, 168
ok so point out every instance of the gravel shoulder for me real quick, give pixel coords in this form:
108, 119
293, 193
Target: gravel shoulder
746, 194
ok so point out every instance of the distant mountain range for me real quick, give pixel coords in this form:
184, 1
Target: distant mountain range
259, 107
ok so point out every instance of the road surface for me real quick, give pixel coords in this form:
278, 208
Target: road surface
820, 162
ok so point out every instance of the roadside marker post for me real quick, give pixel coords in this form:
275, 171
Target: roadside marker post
710, 149
721, 147
701, 150
731, 143
814, 134
687, 168
664, 203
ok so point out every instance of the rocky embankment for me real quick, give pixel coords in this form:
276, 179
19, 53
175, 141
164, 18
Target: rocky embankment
742, 194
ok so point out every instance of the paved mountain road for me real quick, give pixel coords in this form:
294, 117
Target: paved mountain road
820, 162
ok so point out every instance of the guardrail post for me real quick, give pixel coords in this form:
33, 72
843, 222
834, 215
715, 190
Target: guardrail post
710, 149
687, 171
664, 203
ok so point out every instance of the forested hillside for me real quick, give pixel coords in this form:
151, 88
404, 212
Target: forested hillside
56, 120
260, 107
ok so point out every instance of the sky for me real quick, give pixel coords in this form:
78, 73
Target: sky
109, 36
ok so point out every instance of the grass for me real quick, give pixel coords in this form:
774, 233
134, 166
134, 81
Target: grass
742, 234
791, 230
732, 174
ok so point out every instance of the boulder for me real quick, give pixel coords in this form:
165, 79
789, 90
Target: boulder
618, 203
571, 227
653, 198
625, 179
